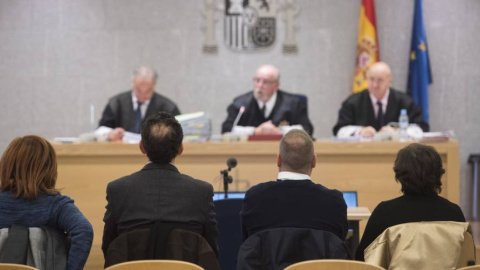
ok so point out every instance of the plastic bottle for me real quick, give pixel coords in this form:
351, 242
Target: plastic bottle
403, 125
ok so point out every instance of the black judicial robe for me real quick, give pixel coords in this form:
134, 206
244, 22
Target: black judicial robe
289, 109
358, 110
119, 110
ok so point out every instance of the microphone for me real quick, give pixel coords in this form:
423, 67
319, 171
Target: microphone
227, 179
240, 113
232, 163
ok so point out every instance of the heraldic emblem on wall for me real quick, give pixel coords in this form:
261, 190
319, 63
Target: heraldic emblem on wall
249, 25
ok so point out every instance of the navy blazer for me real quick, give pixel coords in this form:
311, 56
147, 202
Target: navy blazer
358, 110
294, 203
159, 192
289, 109
119, 110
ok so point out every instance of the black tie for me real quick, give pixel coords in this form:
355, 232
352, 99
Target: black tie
380, 116
263, 111
138, 117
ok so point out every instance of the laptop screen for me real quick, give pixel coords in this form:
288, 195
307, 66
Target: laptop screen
231, 195
350, 197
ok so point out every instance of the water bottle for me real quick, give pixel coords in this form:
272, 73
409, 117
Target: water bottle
403, 125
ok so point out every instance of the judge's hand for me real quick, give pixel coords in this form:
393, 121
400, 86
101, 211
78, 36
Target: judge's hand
387, 128
267, 128
116, 134
367, 131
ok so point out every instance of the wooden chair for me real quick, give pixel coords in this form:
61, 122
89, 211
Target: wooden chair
155, 265
11, 266
333, 265
474, 267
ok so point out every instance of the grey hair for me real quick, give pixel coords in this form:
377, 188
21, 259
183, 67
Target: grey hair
146, 71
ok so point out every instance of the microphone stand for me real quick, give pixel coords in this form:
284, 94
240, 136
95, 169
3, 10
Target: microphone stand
227, 179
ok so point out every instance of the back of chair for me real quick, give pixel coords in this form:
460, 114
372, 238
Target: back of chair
474, 267
333, 265
155, 265
45, 248
10, 266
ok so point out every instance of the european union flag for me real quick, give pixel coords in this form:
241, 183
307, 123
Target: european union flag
420, 75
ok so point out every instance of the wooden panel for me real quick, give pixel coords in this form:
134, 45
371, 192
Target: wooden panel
86, 169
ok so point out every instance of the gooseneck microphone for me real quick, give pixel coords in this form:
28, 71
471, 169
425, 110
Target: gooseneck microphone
239, 115
227, 179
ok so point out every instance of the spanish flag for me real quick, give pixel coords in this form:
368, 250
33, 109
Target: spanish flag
367, 45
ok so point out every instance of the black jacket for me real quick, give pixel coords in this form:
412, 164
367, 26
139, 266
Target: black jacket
278, 248
289, 109
294, 203
358, 110
119, 110
162, 241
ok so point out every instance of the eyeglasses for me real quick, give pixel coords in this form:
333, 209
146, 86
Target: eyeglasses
266, 82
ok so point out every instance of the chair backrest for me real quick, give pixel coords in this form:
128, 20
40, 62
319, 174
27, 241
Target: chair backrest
11, 266
333, 265
441, 244
44, 248
474, 267
181, 245
229, 231
280, 247
154, 265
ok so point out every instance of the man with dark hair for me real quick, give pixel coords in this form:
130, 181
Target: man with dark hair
159, 192
294, 200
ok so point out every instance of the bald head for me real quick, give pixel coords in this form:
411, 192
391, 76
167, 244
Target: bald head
379, 78
266, 82
296, 152
269, 70
144, 79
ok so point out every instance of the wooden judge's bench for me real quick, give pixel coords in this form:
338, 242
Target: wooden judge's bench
84, 170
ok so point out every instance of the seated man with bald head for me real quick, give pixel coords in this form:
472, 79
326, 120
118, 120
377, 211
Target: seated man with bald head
128, 110
267, 110
368, 112
293, 200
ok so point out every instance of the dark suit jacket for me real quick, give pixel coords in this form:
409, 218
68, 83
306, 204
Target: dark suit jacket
119, 110
405, 209
159, 192
281, 247
358, 110
293, 203
177, 244
288, 108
